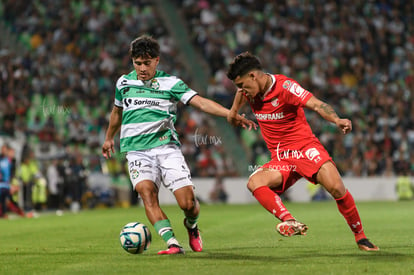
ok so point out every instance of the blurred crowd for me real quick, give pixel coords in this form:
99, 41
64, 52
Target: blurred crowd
356, 55
57, 89
73, 52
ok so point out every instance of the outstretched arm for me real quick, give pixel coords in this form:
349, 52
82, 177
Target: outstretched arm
213, 108
328, 113
238, 102
115, 122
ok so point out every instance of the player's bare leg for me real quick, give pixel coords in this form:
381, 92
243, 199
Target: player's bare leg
329, 177
191, 207
149, 195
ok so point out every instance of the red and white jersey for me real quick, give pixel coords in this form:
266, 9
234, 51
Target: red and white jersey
280, 115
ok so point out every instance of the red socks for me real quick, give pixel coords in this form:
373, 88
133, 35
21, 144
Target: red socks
272, 202
13, 207
347, 207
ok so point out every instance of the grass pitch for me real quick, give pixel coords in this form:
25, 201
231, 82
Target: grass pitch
238, 239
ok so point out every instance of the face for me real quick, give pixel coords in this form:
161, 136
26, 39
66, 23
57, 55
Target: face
11, 153
7, 151
145, 67
248, 84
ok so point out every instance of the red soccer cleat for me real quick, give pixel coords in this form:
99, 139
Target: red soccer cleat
172, 249
195, 241
291, 228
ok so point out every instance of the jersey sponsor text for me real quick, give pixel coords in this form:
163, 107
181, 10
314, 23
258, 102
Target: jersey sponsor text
274, 116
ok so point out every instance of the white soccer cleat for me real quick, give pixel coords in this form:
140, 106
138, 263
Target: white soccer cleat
291, 228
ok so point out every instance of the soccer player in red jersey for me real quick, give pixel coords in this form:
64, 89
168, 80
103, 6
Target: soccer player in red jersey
277, 102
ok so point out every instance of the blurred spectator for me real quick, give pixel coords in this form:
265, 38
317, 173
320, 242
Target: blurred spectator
55, 186
404, 186
369, 73
7, 156
219, 194
77, 131
76, 180
39, 193
205, 163
27, 173
69, 51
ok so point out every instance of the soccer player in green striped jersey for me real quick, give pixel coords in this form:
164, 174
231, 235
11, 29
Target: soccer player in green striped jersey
145, 113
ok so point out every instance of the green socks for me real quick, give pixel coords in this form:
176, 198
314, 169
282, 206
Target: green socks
191, 222
164, 229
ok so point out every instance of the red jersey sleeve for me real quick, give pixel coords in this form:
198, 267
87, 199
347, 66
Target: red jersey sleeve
293, 93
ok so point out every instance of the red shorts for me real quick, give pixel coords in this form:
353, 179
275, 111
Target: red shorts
295, 163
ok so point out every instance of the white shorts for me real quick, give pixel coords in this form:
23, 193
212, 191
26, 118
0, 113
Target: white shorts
164, 164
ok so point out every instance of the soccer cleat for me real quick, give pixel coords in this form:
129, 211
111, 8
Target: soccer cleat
195, 241
366, 245
172, 249
30, 214
291, 228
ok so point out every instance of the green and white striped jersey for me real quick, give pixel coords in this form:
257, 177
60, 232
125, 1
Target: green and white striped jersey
149, 109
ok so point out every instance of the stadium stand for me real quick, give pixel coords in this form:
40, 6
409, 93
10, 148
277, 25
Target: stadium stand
366, 74
59, 61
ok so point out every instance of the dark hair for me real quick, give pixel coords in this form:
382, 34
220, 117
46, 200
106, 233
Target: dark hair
242, 64
144, 46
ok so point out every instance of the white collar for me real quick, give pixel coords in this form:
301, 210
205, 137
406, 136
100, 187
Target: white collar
271, 85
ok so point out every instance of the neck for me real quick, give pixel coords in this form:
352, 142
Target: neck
268, 83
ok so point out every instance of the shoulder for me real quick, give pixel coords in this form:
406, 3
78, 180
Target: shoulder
291, 88
167, 78
128, 80
283, 81
163, 74
131, 75
169, 82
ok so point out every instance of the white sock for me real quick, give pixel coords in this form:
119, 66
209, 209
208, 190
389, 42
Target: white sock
173, 241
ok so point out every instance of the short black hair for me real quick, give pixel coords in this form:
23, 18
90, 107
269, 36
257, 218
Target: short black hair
242, 64
144, 46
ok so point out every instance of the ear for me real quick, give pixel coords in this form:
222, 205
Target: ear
252, 75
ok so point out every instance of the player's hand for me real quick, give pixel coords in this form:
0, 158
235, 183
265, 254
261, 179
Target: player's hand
246, 123
108, 148
345, 125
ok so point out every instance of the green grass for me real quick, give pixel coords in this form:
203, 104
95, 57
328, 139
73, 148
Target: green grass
238, 239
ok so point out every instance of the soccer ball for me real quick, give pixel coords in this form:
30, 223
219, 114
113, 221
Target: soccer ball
135, 237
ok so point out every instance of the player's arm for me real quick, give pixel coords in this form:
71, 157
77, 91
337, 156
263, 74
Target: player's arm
211, 107
238, 102
115, 122
328, 113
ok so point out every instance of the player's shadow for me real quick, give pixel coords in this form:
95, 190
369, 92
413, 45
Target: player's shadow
236, 254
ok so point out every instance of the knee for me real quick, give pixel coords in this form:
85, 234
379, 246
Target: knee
329, 177
253, 183
149, 196
337, 190
187, 205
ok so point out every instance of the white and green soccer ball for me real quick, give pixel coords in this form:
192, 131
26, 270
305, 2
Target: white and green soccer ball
135, 237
